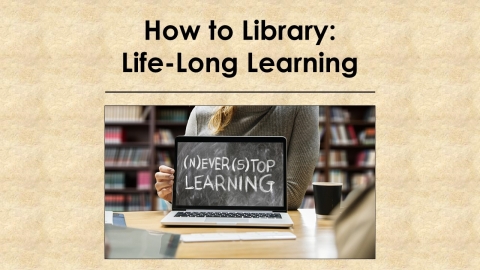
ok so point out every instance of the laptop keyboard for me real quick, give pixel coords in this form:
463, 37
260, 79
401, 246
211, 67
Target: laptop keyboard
229, 215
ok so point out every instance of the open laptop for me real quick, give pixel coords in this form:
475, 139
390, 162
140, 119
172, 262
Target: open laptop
230, 181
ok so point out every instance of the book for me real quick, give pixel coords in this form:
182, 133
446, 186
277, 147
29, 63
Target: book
114, 180
144, 181
367, 136
114, 114
353, 136
163, 158
173, 115
163, 137
127, 157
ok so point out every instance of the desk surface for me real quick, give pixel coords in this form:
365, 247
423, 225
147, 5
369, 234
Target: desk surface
315, 238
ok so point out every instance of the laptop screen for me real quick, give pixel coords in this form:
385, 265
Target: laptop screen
223, 173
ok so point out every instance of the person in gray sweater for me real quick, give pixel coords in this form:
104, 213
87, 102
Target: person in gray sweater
298, 124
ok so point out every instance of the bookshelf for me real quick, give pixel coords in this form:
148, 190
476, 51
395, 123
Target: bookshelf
140, 138
137, 140
347, 148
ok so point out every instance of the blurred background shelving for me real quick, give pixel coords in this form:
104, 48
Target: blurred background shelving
137, 140
347, 148
140, 138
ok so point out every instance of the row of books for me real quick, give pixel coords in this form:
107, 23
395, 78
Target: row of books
317, 177
163, 137
114, 180
163, 158
370, 114
144, 180
174, 115
366, 158
342, 135
125, 114
361, 180
338, 114
122, 203
321, 131
338, 158
367, 136
114, 135
135, 157
338, 176
321, 159
321, 114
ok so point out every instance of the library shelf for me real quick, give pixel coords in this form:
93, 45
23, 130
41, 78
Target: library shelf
356, 146
173, 119
344, 130
171, 123
127, 144
127, 168
155, 122
354, 123
127, 190
346, 168
165, 146
136, 124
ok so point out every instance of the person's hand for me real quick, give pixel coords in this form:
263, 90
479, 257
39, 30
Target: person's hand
164, 183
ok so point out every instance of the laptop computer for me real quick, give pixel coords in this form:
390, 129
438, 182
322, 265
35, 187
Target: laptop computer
230, 181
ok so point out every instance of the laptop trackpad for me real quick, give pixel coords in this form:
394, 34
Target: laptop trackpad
226, 220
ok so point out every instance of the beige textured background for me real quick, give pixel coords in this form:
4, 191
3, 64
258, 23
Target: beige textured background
421, 59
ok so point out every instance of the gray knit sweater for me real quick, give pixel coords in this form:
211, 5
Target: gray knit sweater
299, 124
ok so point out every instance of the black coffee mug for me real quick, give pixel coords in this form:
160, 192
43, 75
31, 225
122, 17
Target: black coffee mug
327, 196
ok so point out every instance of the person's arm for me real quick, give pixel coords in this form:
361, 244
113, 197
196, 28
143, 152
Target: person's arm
302, 154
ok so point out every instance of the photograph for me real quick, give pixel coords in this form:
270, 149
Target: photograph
240, 181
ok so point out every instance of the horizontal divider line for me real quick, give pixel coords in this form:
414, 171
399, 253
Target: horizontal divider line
240, 92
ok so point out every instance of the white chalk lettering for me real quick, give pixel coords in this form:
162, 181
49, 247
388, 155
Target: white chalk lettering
268, 183
233, 183
204, 163
258, 166
225, 162
185, 162
197, 182
268, 164
253, 164
192, 162
211, 161
208, 183
233, 164
240, 165
248, 181
217, 163
221, 184
230, 182
186, 183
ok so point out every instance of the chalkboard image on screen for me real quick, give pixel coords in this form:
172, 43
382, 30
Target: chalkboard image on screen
230, 174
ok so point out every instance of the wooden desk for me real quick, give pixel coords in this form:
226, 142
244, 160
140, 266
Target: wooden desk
315, 238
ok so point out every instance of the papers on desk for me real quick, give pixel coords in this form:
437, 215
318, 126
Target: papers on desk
247, 236
108, 217
130, 243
